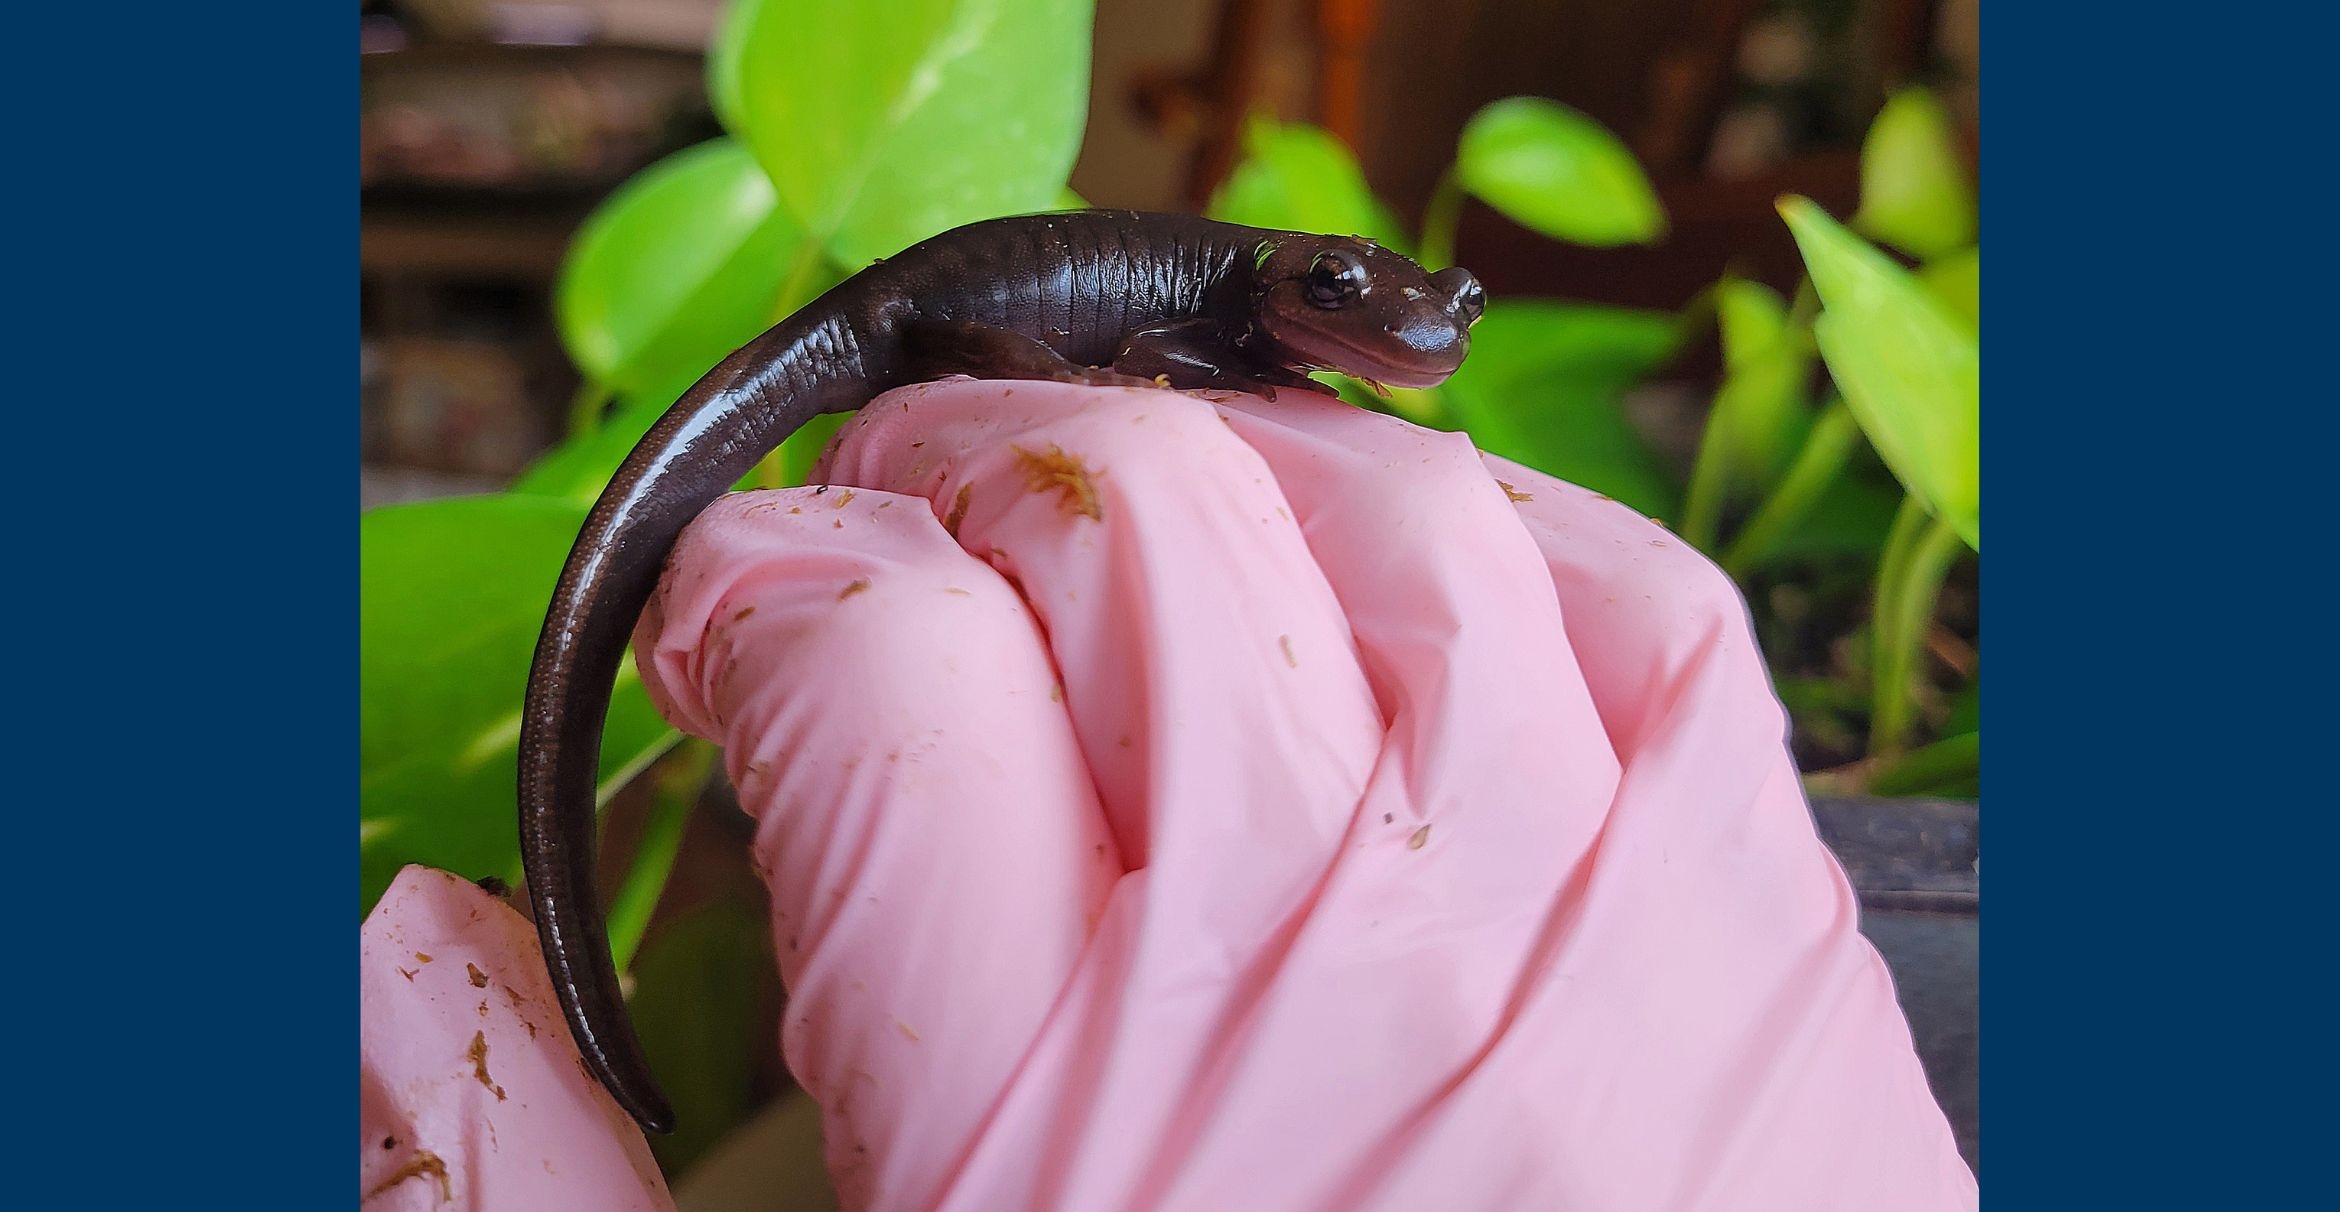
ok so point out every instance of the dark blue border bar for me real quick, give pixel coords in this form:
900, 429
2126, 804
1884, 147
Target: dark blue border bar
182, 416
2158, 437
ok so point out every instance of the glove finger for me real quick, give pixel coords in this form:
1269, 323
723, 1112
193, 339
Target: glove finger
1769, 1012
1208, 668
1488, 794
1211, 677
471, 1092
932, 843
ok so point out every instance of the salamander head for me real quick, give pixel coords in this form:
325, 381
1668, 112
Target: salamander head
1347, 304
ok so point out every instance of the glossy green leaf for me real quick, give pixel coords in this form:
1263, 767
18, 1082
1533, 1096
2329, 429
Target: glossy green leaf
1908, 367
1558, 172
1914, 193
680, 267
452, 594
1298, 177
1545, 385
883, 124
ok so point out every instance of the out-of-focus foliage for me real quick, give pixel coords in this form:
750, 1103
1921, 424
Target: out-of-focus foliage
854, 130
453, 592
1300, 178
1910, 368
680, 267
1555, 171
1914, 194
1782, 477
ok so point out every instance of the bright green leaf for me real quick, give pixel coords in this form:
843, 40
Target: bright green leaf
1910, 370
723, 60
580, 467
1763, 404
1759, 416
678, 268
452, 594
883, 124
1558, 172
1752, 318
1914, 194
1297, 177
1545, 385
1956, 281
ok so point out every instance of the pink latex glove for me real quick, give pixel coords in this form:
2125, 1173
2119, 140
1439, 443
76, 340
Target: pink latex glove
1277, 806
471, 1096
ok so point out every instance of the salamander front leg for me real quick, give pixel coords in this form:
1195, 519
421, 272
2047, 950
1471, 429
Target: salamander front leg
939, 348
1196, 355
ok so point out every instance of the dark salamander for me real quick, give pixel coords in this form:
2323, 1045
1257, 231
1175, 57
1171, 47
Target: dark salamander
1101, 297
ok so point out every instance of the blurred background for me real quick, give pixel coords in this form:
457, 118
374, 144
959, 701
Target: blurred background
1613, 171
490, 129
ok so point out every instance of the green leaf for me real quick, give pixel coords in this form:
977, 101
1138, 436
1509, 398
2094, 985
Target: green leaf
705, 991
1914, 194
1297, 177
678, 268
1545, 385
580, 467
1910, 370
724, 55
675, 788
1752, 317
883, 124
1948, 767
1956, 282
1558, 172
1759, 416
452, 593
1917, 557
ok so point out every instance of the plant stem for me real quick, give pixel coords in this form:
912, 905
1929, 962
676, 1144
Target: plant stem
1917, 557
1826, 449
1709, 478
637, 898
1440, 218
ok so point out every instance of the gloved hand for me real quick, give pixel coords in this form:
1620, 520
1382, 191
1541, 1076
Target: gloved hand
471, 1097
1183, 802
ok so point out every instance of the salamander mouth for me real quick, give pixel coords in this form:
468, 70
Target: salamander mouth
1316, 349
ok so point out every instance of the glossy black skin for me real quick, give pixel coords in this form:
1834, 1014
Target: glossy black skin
1058, 296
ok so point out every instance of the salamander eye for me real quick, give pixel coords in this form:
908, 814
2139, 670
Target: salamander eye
1335, 279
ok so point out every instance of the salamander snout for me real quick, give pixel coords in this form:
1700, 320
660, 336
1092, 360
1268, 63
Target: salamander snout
1466, 299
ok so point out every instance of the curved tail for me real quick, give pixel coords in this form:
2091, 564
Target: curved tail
711, 437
